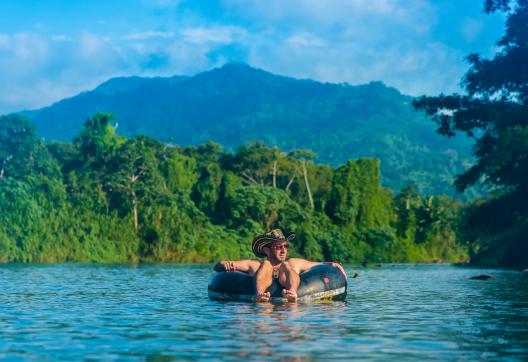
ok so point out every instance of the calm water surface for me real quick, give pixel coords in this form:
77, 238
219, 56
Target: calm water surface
162, 313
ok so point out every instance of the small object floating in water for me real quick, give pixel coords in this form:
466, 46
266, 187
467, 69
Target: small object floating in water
322, 282
482, 277
356, 275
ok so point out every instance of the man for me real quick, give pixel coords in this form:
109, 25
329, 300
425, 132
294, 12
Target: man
274, 246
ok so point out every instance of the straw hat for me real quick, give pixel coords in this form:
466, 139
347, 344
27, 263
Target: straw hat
272, 236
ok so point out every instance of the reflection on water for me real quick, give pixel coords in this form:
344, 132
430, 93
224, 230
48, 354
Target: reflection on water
161, 313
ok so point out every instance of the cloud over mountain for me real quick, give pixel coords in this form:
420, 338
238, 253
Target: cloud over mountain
418, 46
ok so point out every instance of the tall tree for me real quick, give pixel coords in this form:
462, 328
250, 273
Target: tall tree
98, 140
302, 156
135, 178
21, 151
255, 163
357, 200
494, 111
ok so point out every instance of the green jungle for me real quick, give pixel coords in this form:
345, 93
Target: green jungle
109, 198
106, 198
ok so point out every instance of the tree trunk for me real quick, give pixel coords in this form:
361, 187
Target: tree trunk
274, 174
3, 168
133, 179
305, 173
270, 219
135, 212
290, 182
248, 179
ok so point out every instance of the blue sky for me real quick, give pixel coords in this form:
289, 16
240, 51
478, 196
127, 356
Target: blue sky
54, 49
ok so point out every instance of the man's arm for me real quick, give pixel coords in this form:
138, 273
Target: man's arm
245, 265
301, 265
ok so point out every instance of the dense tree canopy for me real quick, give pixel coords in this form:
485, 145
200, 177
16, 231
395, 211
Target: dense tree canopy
21, 152
108, 198
495, 109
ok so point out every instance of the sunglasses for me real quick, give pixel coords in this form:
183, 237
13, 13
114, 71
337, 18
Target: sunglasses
279, 247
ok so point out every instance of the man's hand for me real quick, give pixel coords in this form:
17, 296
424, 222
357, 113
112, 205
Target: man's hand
262, 297
229, 266
226, 266
338, 266
290, 295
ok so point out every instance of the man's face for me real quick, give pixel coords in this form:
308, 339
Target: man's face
278, 251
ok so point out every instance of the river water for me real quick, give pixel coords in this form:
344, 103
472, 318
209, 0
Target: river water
161, 312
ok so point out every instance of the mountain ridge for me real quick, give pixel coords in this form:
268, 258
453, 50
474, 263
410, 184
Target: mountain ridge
237, 103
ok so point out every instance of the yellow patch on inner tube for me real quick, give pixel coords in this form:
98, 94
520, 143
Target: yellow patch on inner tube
326, 297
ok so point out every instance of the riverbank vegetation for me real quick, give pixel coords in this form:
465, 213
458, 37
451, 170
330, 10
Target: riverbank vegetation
107, 198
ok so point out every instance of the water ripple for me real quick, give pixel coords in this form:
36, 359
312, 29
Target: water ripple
161, 313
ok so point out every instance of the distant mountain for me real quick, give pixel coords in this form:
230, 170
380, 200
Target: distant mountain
236, 103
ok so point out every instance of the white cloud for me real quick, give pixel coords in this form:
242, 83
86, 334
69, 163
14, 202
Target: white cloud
305, 40
146, 35
217, 34
413, 70
345, 14
22, 53
354, 41
90, 45
43, 69
60, 38
162, 4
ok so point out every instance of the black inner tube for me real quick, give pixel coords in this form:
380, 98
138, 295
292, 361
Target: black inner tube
322, 281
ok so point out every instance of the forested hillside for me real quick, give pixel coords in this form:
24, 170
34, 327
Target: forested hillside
108, 198
236, 104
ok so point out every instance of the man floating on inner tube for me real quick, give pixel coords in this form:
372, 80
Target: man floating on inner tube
274, 246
